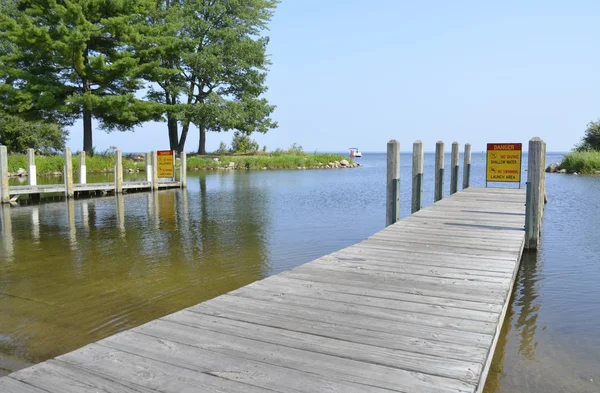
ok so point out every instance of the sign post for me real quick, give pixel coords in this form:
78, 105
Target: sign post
166, 164
504, 163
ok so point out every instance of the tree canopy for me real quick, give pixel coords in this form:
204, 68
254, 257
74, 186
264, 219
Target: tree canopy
207, 64
591, 138
18, 135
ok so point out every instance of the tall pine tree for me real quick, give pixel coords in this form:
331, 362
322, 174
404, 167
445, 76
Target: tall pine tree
70, 59
207, 63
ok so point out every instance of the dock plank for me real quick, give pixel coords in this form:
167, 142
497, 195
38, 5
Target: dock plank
417, 307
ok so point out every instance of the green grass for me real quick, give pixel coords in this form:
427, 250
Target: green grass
55, 163
583, 162
259, 161
105, 163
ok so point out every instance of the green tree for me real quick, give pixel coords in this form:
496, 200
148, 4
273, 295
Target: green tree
68, 60
242, 143
591, 138
207, 63
18, 135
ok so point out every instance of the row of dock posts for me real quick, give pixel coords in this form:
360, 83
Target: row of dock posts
393, 175
536, 182
151, 172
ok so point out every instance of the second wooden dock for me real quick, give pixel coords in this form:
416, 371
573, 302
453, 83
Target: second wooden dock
417, 307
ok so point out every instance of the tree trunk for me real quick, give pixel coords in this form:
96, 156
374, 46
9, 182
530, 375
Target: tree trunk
184, 134
173, 137
88, 144
202, 144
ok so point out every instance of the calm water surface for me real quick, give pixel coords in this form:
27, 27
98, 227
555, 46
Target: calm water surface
75, 272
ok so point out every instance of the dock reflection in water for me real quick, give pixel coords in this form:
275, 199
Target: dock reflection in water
77, 271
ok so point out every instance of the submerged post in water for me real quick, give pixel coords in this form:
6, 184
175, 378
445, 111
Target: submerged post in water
454, 168
439, 172
467, 167
417, 177
392, 211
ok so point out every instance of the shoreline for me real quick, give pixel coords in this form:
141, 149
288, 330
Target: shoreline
101, 164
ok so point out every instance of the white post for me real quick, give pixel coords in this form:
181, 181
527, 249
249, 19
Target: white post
31, 171
149, 167
118, 172
69, 192
154, 170
82, 168
4, 193
183, 170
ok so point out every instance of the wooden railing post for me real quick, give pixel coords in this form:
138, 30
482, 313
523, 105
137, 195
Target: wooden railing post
82, 168
535, 194
4, 193
118, 172
154, 170
183, 170
392, 211
438, 193
467, 167
69, 192
454, 166
417, 177
149, 167
31, 168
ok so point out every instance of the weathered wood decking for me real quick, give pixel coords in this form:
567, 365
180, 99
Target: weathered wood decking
417, 307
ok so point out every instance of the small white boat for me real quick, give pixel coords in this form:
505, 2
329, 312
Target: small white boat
354, 152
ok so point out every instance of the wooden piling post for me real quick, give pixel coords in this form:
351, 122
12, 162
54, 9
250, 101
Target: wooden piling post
454, 167
183, 170
4, 194
417, 177
82, 168
535, 194
154, 170
118, 172
31, 168
69, 192
438, 193
392, 211
467, 166
149, 167
544, 195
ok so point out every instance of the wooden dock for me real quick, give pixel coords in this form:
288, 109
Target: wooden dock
10, 194
417, 307
90, 187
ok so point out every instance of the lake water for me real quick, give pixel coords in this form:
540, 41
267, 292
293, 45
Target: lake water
75, 272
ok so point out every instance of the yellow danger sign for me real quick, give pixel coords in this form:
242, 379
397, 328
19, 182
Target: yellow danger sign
504, 162
165, 163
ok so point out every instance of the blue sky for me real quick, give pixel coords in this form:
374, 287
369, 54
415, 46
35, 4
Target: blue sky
355, 73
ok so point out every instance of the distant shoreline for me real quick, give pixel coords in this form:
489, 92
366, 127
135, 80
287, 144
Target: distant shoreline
52, 165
